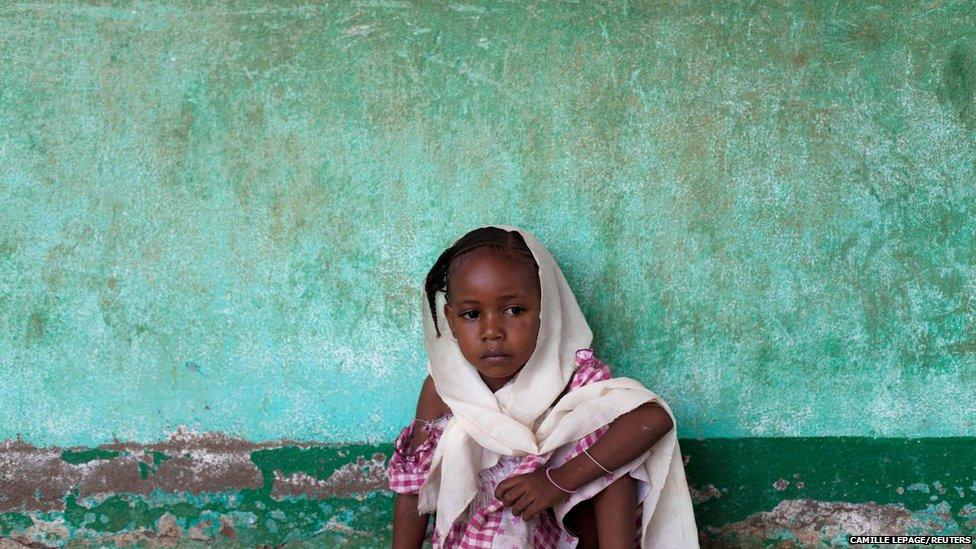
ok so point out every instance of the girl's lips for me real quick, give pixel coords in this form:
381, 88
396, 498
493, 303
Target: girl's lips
495, 358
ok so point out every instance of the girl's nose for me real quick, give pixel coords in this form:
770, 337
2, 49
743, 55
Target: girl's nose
492, 330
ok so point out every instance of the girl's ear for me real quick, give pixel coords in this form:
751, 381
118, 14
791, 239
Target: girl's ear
449, 315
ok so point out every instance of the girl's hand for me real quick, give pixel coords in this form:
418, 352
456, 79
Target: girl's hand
529, 494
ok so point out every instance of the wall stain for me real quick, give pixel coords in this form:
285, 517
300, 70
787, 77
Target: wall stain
959, 79
36, 323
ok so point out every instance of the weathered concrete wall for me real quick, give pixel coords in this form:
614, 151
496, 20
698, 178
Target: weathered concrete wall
218, 217
211, 489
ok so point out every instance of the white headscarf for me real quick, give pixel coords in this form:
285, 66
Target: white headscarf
486, 425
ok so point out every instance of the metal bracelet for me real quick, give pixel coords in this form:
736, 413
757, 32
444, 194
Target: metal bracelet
548, 476
607, 471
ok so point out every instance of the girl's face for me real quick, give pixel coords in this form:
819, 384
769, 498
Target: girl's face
493, 311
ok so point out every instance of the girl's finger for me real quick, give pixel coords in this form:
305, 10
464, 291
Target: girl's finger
513, 494
522, 503
506, 485
502, 487
531, 511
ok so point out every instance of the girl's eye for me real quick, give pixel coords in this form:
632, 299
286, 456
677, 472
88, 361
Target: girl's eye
516, 310
466, 313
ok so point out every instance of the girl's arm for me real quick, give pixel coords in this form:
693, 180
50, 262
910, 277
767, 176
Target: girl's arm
626, 438
409, 527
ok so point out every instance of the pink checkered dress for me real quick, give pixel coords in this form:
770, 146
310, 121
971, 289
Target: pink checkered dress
488, 524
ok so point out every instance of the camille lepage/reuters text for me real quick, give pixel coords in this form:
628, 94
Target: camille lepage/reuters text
918, 540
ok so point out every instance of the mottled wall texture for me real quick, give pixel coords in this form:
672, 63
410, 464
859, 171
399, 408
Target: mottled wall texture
215, 218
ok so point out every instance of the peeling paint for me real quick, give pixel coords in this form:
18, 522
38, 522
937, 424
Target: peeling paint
213, 488
351, 480
705, 494
195, 487
808, 523
919, 487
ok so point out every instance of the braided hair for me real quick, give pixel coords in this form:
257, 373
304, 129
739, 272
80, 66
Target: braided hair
484, 237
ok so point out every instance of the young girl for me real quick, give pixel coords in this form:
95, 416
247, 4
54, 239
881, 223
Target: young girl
526, 439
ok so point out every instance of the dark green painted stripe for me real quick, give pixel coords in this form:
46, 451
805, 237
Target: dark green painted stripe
911, 472
751, 475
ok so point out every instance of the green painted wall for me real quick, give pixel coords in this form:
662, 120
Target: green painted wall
219, 216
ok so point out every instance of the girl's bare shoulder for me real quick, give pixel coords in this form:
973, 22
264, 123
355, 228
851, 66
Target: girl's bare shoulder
430, 405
